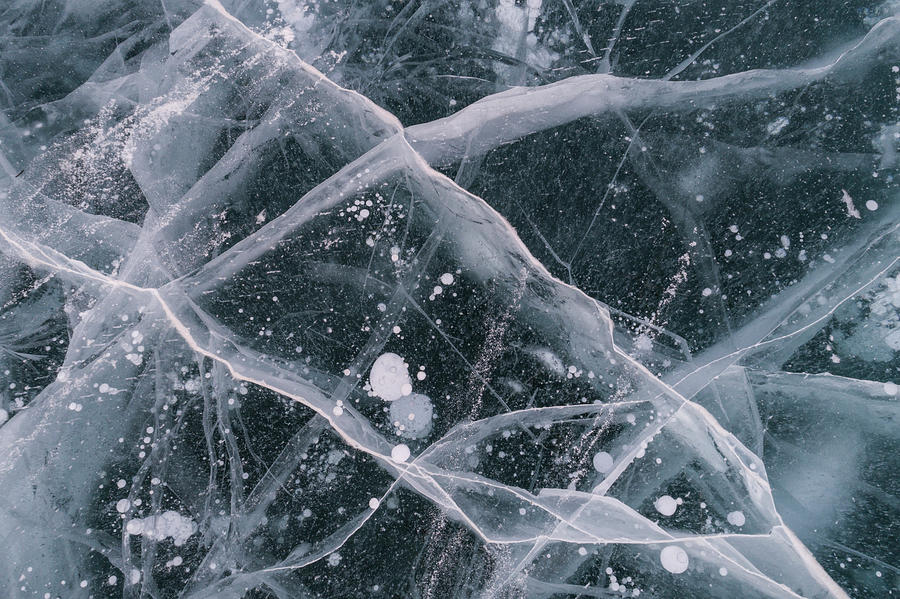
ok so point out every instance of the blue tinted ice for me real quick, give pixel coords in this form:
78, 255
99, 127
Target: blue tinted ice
449, 299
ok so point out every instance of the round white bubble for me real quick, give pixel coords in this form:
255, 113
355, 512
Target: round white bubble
374, 503
389, 377
412, 415
665, 505
122, 505
603, 462
400, 453
135, 527
447, 278
736, 518
674, 559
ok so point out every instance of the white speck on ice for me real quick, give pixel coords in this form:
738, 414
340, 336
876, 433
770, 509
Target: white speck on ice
674, 559
389, 377
135, 527
168, 524
848, 202
775, 127
414, 414
400, 453
665, 505
736, 518
603, 462
550, 359
643, 343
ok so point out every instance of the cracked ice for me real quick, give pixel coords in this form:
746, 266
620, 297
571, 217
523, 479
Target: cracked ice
447, 300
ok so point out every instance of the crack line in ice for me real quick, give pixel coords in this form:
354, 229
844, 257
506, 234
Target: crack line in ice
419, 472
426, 474
735, 355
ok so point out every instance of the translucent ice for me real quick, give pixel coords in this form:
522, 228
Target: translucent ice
461, 299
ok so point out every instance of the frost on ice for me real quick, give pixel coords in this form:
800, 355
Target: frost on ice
463, 299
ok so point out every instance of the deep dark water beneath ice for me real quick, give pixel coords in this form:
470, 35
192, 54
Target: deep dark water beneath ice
495, 298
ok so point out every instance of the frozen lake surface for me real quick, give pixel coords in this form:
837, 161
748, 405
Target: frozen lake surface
443, 300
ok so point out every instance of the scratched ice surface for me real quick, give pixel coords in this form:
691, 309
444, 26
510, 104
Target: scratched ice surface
449, 299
